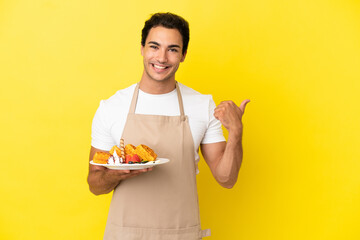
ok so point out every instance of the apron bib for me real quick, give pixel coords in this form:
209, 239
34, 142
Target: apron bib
161, 204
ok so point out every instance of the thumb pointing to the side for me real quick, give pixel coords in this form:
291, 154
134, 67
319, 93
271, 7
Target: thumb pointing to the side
243, 105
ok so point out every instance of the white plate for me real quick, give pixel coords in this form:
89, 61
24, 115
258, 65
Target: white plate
134, 166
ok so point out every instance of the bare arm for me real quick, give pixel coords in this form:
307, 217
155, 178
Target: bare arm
102, 180
224, 159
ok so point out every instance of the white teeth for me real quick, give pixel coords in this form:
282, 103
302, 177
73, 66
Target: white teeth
159, 67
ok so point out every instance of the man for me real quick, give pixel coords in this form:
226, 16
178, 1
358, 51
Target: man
174, 120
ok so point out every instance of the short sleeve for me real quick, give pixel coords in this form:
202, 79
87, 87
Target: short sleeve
100, 130
214, 131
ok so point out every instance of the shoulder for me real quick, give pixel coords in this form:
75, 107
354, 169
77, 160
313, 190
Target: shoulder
120, 99
116, 105
120, 96
196, 105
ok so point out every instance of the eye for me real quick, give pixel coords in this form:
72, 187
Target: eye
154, 46
173, 50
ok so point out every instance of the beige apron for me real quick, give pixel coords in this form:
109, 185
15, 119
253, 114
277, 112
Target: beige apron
161, 204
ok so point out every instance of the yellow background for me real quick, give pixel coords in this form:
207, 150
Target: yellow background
298, 61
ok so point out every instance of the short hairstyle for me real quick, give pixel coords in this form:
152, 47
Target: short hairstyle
167, 20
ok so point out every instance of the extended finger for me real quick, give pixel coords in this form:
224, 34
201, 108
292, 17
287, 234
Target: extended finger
243, 105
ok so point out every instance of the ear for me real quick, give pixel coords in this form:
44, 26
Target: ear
142, 50
183, 57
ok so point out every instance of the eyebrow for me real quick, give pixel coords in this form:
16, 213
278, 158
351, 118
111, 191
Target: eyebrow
158, 44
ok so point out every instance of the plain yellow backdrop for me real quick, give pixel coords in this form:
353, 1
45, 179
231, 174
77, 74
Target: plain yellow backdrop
298, 62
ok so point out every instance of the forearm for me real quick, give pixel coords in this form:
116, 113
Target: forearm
228, 166
101, 183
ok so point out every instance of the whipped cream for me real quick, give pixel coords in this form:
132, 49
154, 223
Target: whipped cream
111, 160
116, 158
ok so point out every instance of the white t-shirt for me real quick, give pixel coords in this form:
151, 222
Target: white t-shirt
110, 117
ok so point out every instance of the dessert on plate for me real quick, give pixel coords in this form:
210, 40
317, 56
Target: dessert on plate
128, 154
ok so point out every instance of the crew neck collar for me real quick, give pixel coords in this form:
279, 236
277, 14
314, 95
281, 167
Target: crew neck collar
158, 95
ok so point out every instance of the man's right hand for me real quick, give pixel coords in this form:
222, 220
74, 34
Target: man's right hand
102, 180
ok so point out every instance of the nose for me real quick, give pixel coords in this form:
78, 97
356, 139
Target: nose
161, 56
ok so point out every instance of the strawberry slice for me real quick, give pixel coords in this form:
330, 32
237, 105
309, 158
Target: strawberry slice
135, 158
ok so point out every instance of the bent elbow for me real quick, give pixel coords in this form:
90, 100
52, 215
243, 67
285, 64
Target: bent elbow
97, 191
228, 185
94, 191
226, 182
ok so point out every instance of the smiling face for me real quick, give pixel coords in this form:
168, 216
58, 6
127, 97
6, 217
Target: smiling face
162, 54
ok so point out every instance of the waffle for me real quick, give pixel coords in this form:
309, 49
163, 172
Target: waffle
145, 153
101, 157
118, 151
129, 149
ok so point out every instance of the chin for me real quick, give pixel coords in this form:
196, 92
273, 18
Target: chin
163, 79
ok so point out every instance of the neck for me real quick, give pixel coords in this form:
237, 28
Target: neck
157, 87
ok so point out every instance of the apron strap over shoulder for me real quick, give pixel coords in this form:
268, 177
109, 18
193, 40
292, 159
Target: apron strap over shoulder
181, 105
134, 99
